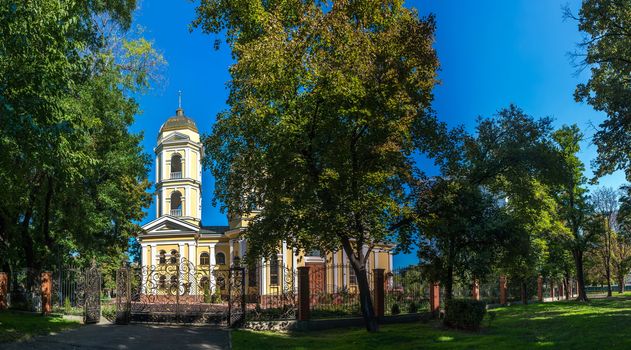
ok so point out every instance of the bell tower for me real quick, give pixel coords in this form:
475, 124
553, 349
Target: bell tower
178, 169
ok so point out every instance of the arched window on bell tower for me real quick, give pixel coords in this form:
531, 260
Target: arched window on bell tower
176, 166
176, 203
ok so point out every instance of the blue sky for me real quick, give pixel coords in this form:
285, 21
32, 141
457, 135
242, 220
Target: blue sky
492, 53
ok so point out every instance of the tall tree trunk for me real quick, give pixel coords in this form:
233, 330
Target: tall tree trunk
359, 266
580, 280
524, 293
568, 287
620, 283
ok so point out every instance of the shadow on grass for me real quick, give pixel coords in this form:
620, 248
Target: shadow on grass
21, 325
574, 325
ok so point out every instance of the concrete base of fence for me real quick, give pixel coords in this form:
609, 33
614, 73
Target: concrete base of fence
331, 323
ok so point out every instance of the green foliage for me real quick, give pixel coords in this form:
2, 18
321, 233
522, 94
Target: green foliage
67, 306
412, 308
395, 309
606, 52
464, 313
65, 148
318, 137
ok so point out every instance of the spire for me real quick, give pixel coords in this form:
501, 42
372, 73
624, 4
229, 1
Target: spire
179, 111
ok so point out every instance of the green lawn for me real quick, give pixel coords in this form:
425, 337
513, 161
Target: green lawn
20, 326
568, 325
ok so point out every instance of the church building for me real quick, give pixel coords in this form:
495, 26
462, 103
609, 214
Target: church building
178, 231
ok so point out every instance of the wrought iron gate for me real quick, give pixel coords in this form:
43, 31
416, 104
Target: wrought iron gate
92, 295
179, 291
236, 303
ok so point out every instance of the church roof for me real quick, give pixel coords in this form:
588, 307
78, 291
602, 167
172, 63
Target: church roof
178, 122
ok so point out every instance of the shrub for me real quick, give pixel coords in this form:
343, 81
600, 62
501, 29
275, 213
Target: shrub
464, 313
67, 306
109, 312
395, 310
413, 308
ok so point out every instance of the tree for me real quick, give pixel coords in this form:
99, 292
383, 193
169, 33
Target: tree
324, 99
622, 239
571, 195
76, 176
606, 51
463, 229
510, 156
605, 204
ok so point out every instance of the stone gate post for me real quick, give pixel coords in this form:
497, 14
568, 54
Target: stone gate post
304, 309
503, 290
475, 289
4, 283
46, 289
434, 299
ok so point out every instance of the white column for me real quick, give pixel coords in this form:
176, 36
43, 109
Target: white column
282, 267
163, 168
263, 284
180, 272
152, 261
231, 250
187, 191
192, 253
344, 267
390, 260
375, 253
157, 198
213, 263
164, 201
144, 268
185, 169
335, 268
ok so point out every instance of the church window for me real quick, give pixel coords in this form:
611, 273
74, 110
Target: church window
204, 259
352, 277
220, 258
176, 166
273, 271
173, 259
163, 257
176, 203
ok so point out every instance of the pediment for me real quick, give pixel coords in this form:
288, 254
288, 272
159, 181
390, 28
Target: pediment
176, 136
169, 224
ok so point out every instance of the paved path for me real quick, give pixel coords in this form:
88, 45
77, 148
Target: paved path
129, 337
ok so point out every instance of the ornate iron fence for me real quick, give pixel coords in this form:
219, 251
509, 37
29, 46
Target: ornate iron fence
406, 291
271, 292
334, 291
180, 291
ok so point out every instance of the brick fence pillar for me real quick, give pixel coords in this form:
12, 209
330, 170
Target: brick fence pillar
46, 289
503, 290
434, 298
4, 283
304, 309
540, 288
475, 290
379, 292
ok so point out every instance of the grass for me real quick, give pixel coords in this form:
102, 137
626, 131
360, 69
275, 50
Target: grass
569, 325
21, 326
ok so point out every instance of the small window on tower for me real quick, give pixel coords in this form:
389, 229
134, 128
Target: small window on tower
204, 259
176, 166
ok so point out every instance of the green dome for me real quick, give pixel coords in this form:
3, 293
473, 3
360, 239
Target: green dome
178, 122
